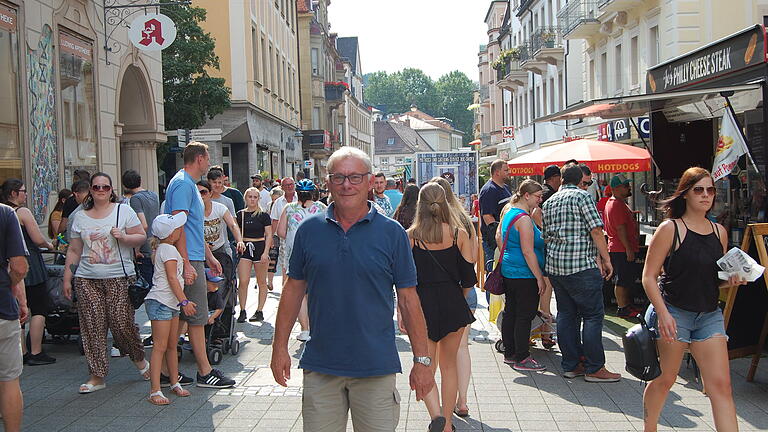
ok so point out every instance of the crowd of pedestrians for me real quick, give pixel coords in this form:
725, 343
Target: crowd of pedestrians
407, 250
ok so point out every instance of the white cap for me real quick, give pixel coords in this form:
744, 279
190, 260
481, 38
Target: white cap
165, 224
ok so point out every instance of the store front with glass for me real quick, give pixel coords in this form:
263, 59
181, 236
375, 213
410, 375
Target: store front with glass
11, 154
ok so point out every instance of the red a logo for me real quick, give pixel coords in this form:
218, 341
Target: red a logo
153, 31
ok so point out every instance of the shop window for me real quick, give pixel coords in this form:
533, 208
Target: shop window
78, 103
10, 144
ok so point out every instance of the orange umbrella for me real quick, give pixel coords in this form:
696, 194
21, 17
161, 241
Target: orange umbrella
599, 156
476, 142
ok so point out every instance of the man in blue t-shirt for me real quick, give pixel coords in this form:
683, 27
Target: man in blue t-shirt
346, 260
182, 196
13, 313
394, 194
493, 197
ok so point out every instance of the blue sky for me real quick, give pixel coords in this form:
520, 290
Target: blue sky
436, 36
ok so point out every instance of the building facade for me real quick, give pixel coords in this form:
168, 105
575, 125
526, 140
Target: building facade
357, 130
439, 133
256, 42
66, 102
491, 96
396, 148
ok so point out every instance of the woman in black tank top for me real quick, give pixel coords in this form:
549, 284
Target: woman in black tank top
680, 279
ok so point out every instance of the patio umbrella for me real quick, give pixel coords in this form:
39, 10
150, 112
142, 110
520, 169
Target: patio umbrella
599, 156
476, 142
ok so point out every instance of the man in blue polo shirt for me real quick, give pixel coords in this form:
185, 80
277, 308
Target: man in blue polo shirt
182, 196
347, 261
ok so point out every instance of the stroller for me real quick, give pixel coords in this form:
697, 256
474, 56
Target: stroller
542, 328
61, 322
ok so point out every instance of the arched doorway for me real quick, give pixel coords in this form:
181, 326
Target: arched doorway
136, 127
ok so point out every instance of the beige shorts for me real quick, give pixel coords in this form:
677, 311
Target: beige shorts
327, 400
10, 350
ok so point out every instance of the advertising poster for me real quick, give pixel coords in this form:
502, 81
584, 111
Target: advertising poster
459, 168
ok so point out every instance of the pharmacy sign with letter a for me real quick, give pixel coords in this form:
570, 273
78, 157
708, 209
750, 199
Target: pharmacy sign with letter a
152, 32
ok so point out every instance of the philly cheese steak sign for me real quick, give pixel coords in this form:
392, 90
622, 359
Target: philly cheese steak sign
744, 49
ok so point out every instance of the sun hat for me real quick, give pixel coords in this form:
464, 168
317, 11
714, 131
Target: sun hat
165, 224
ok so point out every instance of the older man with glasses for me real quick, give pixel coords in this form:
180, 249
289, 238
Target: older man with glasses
351, 359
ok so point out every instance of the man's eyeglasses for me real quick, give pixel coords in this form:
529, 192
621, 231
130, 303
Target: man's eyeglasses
101, 188
338, 179
698, 190
586, 183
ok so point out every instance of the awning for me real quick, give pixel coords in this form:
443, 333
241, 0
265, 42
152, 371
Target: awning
641, 105
240, 134
599, 156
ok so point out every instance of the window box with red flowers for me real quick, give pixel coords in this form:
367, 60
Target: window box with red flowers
334, 90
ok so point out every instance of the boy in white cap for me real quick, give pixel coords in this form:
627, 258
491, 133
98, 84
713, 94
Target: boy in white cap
163, 303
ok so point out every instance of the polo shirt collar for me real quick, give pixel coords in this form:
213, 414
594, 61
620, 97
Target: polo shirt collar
569, 186
330, 217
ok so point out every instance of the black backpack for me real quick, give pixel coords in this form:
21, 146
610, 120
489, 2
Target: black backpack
640, 352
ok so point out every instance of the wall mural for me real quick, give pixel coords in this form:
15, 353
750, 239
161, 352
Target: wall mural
42, 119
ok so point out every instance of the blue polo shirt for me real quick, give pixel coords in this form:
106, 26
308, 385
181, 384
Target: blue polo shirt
349, 279
182, 194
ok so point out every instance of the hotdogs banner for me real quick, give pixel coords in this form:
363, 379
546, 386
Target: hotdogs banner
459, 168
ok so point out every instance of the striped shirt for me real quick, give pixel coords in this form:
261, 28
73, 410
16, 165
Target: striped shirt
569, 216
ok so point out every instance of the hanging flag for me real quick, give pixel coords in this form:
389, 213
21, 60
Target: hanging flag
730, 147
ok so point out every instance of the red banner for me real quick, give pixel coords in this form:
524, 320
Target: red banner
7, 19
75, 46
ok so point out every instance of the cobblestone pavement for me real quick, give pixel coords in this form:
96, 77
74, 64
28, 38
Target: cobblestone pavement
500, 398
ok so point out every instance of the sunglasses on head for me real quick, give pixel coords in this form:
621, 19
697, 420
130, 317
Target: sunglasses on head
101, 188
587, 183
698, 190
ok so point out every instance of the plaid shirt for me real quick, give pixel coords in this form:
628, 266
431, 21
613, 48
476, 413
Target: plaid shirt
569, 216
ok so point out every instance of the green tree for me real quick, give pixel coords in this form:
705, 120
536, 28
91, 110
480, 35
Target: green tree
454, 91
385, 91
419, 90
191, 95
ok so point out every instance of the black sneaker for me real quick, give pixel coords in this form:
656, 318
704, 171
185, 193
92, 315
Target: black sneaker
148, 342
258, 316
40, 359
214, 379
243, 316
25, 358
183, 380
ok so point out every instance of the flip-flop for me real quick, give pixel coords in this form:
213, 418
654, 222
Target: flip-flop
158, 398
90, 388
179, 391
461, 412
145, 372
437, 424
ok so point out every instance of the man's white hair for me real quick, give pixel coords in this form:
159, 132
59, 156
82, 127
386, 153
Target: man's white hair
349, 152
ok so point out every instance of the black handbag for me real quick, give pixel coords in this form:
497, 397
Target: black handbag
138, 290
640, 352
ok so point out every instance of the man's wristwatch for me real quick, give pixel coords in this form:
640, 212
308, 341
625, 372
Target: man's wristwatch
183, 303
426, 361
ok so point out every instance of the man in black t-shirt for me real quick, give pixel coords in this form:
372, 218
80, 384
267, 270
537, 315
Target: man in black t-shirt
80, 190
552, 180
13, 313
493, 197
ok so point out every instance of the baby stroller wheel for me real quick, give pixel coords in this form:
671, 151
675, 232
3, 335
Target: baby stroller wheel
235, 348
215, 355
80, 346
500, 346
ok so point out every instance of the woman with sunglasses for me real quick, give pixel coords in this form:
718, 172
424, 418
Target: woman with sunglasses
101, 244
684, 309
14, 194
217, 219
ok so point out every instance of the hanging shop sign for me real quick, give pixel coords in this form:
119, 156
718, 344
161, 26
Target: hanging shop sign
644, 126
7, 19
616, 130
744, 49
152, 32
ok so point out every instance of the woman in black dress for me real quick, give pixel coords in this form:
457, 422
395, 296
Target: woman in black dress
444, 263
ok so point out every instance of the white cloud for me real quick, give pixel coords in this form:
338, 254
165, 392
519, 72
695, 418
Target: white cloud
436, 36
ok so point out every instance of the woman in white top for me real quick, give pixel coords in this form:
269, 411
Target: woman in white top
102, 239
216, 220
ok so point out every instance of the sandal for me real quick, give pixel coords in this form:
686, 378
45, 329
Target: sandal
90, 388
145, 371
461, 412
158, 398
437, 424
179, 391
270, 287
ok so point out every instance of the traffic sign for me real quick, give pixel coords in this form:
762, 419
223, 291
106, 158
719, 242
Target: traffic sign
309, 164
183, 137
206, 138
196, 132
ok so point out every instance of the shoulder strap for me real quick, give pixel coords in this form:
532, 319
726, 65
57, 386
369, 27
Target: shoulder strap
714, 228
455, 235
119, 253
424, 246
675, 239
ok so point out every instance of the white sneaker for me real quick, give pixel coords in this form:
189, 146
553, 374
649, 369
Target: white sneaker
303, 336
115, 352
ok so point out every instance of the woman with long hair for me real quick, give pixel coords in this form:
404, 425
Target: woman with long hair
522, 267
54, 218
444, 261
13, 192
684, 309
406, 211
293, 215
256, 226
101, 245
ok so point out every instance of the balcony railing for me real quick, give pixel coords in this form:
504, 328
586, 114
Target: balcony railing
525, 52
524, 5
334, 91
577, 12
546, 37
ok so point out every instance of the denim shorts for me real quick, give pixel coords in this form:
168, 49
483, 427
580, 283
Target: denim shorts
157, 311
691, 326
472, 298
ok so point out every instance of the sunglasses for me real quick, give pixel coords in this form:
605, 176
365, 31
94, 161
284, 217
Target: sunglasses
101, 188
587, 183
204, 191
698, 190
21, 190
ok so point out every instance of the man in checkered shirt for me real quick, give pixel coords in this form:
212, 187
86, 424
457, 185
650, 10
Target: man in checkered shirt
577, 261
